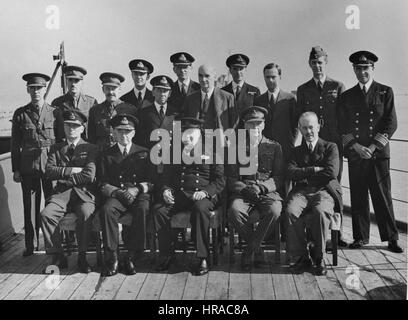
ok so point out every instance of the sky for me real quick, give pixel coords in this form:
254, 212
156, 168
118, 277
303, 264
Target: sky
105, 35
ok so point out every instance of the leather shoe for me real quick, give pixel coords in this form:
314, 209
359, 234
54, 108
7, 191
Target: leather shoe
112, 265
129, 266
246, 261
259, 259
394, 247
202, 268
302, 264
165, 263
28, 252
343, 244
320, 268
83, 265
358, 244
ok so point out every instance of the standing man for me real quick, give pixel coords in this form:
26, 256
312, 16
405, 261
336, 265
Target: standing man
211, 104
72, 164
99, 130
139, 96
182, 67
34, 130
280, 122
158, 115
243, 92
315, 197
320, 95
368, 121
191, 185
123, 172
256, 192
74, 99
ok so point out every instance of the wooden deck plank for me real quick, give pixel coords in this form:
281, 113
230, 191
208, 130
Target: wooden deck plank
218, 279
108, 287
21, 271
87, 288
71, 282
375, 286
29, 283
152, 286
261, 281
240, 282
283, 281
306, 285
195, 287
176, 278
329, 285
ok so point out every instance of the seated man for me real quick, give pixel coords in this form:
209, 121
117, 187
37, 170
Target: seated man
258, 191
313, 167
194, 187
73, 164
123, 172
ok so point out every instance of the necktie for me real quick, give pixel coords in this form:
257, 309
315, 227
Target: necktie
320, 86
310, 148
364, 90
161, 112
237, 92
139, 98
183, 90
70, 151
125, 153
205, 103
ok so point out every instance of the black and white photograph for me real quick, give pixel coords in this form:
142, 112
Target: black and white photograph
203, 155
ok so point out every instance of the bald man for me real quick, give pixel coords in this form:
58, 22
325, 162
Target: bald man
211, 104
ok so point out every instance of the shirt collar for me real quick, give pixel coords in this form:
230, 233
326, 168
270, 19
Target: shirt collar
158, 107
75, 142
313, 144
322, 80
143, 91
367, 85
235, 85
122, 148
186, 83
274, 94
209, 93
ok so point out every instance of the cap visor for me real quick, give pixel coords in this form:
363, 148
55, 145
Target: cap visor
125, 126
73, 121
140, 70
163, 87
74, 77
113, 84
36, 85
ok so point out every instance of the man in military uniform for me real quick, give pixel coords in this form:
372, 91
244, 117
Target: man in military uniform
368, 120
123, 173
72, 164
139, 96
315, 197
33, 132
243, 92
158, 115
74, 99
192, 185
99, 130
254, 197
183, 86
320, 95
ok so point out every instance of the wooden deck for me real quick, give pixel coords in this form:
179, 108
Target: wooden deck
381, 275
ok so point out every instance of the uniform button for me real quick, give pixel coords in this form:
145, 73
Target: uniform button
181, 189
120, 177
182, 173
321, 107
371, 112
196, 181
357, 129
356, 121
182, 181
357, 114
371, 128
196, 189
371, 120
370, 135
184, 168
197, 174
357, 136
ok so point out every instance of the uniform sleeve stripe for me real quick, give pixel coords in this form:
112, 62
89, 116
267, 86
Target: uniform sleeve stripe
382, 139
347, 139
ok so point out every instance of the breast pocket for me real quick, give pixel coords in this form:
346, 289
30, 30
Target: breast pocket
102, 127
29, 132
49, 130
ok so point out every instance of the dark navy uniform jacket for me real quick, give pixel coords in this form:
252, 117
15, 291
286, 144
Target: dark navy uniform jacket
131, 98
177, 98
368, 119
246, 96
